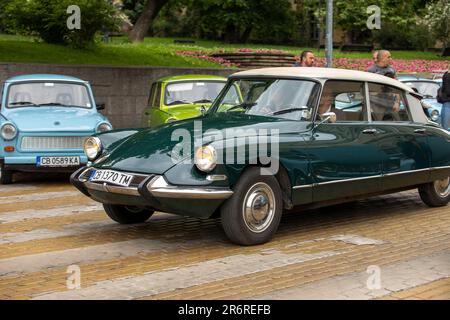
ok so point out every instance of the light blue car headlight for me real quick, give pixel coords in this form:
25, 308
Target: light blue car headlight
8, 131
103, 127
434, 115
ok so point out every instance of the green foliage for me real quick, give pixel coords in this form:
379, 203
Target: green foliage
47, 19
412, 37
437, 18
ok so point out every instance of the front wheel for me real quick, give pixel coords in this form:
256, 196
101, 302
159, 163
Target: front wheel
6, 176
126, 214
437, 193
252, 215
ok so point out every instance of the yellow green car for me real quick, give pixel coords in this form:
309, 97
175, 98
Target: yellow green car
181, 97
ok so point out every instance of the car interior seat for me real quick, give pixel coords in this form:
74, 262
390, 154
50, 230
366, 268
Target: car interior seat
22, 97
64, 99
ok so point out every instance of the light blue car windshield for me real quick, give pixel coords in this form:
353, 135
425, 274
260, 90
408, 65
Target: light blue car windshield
36, 94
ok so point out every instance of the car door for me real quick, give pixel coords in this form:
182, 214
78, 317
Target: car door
153, 115
343, 156
403, 142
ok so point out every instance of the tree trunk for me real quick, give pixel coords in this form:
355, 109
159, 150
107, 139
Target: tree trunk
145, 20
246, 35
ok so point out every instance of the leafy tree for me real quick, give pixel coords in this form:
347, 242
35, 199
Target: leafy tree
234, 20
144, 22
48, 20
437, 18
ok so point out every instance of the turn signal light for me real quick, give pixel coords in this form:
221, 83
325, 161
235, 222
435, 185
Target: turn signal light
9, 149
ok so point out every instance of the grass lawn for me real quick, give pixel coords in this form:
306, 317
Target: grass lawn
152, 52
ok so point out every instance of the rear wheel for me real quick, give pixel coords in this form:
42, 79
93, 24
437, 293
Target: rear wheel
6, 176
127, 214
437, 193
252, 215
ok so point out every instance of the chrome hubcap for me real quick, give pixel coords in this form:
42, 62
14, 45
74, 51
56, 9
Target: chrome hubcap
442, 187
259, 207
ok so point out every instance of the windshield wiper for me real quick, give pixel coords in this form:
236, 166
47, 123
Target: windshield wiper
288, 110
202, 101
51, 104
179, 102
243, 106
24, 103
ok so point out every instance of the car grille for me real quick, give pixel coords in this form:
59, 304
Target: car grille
52, 143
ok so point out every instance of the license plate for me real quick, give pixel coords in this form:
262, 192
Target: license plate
111, 176
57, 161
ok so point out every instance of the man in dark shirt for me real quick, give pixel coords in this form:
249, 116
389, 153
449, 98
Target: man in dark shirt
383, 64
307, 59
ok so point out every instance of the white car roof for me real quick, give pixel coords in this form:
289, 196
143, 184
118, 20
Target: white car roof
324, 73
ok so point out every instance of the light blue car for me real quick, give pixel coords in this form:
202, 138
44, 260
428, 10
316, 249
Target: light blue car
428, 89
44, 120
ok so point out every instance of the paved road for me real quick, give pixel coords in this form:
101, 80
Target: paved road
389, 247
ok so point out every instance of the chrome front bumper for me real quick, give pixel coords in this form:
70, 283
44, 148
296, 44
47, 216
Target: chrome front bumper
154, 185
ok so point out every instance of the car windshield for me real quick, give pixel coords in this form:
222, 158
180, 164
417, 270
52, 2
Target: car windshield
188, 92
426, 88
290, 99
37, 94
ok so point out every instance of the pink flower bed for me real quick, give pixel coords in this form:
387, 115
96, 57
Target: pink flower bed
207, 57
402, 66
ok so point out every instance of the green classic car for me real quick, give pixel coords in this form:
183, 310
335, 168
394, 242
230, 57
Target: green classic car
180, 97
285, 147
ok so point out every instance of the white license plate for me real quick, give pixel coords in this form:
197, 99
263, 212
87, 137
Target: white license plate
58, 161
111, 176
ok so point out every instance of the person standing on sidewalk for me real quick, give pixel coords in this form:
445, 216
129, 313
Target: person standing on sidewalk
383, 64
444, 98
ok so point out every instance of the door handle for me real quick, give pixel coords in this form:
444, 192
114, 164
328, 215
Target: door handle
370, 131
420, 130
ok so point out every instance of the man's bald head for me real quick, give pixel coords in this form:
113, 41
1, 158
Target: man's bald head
384, 58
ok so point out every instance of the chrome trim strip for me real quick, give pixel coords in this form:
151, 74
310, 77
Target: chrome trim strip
158, 187
440, 168
405, 172
371, 177
303, 186
349, 180
113, 189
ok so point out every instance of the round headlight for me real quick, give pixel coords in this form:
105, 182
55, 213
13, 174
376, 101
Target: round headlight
434, 115
206, 158
103, 127
8, 131
92, 147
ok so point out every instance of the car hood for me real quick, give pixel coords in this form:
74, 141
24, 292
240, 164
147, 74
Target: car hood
45, 119
150, 150
184, 111
433, 103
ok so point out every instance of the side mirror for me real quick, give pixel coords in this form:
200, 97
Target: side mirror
203, 110
101, 106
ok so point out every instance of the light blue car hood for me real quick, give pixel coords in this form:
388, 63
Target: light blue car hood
54, 119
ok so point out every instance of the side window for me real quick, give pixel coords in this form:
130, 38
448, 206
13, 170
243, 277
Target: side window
344, 98
151, 98
157, 101
387, 103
